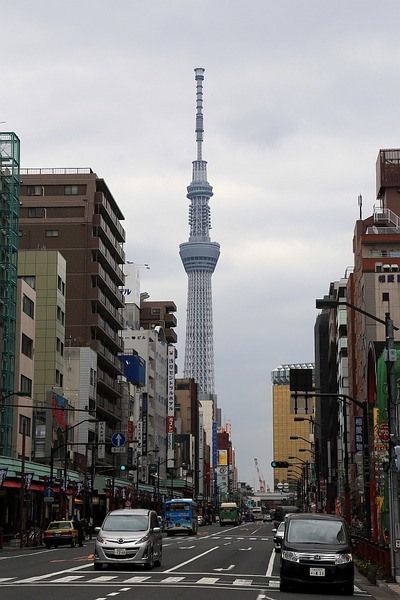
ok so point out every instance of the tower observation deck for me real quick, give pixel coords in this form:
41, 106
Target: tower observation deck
199, 257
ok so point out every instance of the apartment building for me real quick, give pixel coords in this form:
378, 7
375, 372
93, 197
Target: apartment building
74, 212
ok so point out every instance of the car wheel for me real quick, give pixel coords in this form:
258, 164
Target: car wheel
55, 545
73, 543
47, 546
157, 563
97, 566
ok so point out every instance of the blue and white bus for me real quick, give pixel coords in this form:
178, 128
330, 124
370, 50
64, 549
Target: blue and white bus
180, 516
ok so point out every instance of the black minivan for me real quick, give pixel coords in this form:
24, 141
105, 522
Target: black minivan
316, 549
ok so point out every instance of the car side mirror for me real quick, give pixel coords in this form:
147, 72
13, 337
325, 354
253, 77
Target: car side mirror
274, 531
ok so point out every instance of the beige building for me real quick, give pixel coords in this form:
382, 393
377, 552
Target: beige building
45, 272
23, 425
285, 409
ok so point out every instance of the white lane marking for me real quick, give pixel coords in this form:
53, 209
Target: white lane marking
3, 579
113, 594
137, 579
245, 549
172, 579
48, 575
191, 560
270, 564
208, 580
103, 578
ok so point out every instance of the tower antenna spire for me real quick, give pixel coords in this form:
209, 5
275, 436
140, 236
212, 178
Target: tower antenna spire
199, 256
199, 77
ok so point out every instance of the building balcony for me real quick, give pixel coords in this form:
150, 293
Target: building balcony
103, 255
109, 217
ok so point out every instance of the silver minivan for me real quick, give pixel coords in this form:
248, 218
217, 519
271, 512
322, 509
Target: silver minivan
128, 536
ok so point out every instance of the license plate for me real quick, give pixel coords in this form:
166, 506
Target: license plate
119, 551
57, 535
317, 572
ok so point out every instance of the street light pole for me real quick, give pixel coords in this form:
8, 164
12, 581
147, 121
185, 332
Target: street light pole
317, 458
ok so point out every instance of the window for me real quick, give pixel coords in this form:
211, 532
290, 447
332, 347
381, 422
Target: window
51, 232
71, 190
28, 306
27, 346
35, 190
60, 315
24, 425
26, 385
60, 347
61, 285
37, 213
59, 378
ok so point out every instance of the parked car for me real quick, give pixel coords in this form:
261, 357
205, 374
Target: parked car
60, 533
128, 536
316, 549
279, 533
267, 518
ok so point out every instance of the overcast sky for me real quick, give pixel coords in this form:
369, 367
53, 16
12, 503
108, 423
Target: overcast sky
299, 97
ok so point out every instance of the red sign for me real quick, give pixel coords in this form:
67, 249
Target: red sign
383, 432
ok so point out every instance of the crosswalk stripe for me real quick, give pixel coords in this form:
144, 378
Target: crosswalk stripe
242, 582
68, 579
208, 580
172, 579
137, 579
104, 578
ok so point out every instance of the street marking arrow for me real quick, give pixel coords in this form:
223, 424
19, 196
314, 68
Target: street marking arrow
222, 569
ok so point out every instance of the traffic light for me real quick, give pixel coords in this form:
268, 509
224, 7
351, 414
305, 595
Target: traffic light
280, 464
122, 467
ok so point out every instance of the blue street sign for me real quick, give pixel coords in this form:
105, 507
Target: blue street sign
49, 492
118, 439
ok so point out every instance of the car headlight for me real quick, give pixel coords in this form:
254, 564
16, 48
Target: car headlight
342, 559
143, 539
290, 556
101, 539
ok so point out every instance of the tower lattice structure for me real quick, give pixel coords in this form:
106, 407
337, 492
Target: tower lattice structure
199, 257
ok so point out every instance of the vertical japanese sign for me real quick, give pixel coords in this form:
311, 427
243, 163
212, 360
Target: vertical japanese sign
171, 407
101, 451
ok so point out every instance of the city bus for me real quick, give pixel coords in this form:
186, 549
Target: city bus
180, 516
228, 513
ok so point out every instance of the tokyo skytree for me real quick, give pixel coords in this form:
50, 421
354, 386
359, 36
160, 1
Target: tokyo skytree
199, 257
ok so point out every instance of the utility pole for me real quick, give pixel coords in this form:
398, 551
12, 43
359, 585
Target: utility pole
390, 359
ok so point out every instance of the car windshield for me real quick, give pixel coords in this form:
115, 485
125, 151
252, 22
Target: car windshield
126, 523
314, 531
60, 525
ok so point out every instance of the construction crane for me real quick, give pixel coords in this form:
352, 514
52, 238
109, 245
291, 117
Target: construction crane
261, 481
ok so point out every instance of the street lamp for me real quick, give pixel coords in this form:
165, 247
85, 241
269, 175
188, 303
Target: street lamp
394, 425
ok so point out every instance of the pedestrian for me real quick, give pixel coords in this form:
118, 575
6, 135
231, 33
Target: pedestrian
79, 528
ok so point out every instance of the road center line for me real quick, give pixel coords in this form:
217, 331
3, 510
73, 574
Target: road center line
191, 560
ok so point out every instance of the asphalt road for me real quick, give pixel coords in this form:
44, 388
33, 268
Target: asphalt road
222, 562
